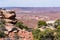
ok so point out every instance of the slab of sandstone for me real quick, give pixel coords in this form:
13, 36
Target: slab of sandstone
8, 14
10, 21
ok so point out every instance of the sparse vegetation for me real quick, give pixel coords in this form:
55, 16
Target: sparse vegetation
2, 22
47, 34
36, 33
58, 27
57, 23
43, 35
2, 34
21, 25
41, 23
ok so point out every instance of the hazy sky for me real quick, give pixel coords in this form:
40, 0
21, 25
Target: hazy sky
29, 3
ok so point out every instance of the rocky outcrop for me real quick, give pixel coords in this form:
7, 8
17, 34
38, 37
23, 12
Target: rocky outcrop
8, 16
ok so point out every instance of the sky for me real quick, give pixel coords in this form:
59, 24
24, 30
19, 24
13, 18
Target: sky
29, 3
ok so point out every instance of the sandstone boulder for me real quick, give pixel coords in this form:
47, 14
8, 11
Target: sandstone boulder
10, 21
9, 26
9, 14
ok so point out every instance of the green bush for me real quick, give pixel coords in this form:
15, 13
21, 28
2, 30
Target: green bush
57, 23
25, 27
1, 25
41, 23
43, 35
2, 21
21, 25
2, 34
58, 27
57, 36
35, 33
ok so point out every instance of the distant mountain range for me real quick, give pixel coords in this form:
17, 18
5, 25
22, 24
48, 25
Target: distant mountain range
36, 8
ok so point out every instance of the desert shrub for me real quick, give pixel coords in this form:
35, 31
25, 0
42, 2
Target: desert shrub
41, 23
3, 21
47, 35
58, 27
25, 27
35, 33
21, 25
43, 35
1, 25
57, 23
57, 36
2, 34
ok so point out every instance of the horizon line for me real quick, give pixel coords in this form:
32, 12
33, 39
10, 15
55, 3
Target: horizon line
35, 7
